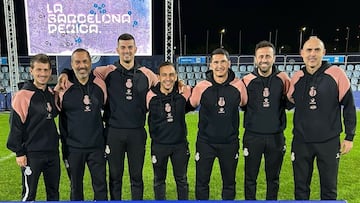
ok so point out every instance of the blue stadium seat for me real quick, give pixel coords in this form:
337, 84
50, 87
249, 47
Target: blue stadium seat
181, 69
356, 73
192, 83
27, 69
354, 87
25, 76
7, 76
242, 68
21, 69
357, 67
196, 68
5, 82
235, 68
250, 68
348, 73
4, 69
189, 68
204, 68
182, 75
198, 75
190, 75
350, 67
289, 68
354, 80
297, 67
8, 89
281, 67
238, 74
203, 75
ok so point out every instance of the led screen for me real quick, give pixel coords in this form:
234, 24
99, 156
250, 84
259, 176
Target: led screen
57, 27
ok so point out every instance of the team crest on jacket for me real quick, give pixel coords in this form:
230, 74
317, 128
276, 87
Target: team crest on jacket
266, 94
153, 159
66, 163
292, 156
169, 116
128, 85
107, 149
246, 152
48, 109
197, 156
312, 93
87, 102
221, 103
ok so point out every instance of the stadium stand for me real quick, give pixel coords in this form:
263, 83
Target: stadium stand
242, 65
192, 69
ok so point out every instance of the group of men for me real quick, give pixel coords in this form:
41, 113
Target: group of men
102, 115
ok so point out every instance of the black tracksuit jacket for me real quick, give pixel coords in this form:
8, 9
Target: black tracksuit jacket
30, 130
320, 100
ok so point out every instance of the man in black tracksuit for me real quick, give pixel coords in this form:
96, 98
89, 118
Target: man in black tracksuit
219, 97
264, 121
81, 127
127, 84
167, 106
321, 93
125, 113
33, 133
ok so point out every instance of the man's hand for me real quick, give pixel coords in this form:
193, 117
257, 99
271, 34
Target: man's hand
346, 146
181, 86
21, 161
62, 81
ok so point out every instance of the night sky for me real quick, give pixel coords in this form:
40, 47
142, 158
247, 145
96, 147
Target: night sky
258, 19
245, 22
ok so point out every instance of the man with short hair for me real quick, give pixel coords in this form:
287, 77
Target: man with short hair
323, 99
219, 98
167, 106
82, 129
265, 121
33, 133
125, 111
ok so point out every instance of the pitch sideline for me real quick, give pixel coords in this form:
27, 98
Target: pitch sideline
7, 157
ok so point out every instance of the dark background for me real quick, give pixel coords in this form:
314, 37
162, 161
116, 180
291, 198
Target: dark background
197, 30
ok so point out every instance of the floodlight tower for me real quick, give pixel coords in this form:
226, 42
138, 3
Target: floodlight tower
169, 31
222, 32
302, 30
11, 44
347, 39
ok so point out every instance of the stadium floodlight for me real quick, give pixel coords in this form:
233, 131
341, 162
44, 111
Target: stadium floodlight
222, 32
347, 39
302, 30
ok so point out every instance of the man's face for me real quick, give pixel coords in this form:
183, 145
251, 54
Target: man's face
126, 50
264, 59
312, 53
81, 64
41, 72
220, 65
167, 77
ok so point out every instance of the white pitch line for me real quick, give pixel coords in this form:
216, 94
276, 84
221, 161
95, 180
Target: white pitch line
7, 157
